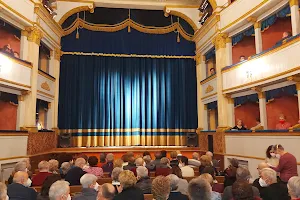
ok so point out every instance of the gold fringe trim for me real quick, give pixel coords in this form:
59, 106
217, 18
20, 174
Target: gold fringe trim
127, 55
122, 130
128, 23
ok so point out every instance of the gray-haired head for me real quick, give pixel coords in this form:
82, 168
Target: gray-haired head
141, 172
58, 190
199, 189
243, 173
107, 192
174, 181
269, 175
21, 166
87, 180
294, 187
115, 173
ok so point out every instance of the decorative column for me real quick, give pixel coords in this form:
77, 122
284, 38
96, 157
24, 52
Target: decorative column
229, 51
258, 37
262, 107
56, 70
24, 45
202, 111
34, 36
21, 110
220, 45
294, 4
231, 115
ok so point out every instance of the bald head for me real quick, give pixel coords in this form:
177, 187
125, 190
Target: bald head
106, 192
210, 154
261, 166
20, 177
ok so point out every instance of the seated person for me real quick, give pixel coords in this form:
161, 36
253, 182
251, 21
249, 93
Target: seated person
257, 126
109, 165
256, 183
214, 162
161, 188
242, 191
175, 194
39, 179
210, 180
53, 166
20, 189
174, 160
157, 156
115, 177
186, 170
206, 164
294, 187
8, 50
44, 194
212, 71
283, 124
144, 181
93, 168
195, 160
90, 187
20, 166
131, 164
199, 189
164, 168
106, 192
150, 166
242, 175
273, 190
102, 160
230, 172
128, 189
285, 35
65, 167
242, 58
60, 190
73, 176
239, 126
183, 184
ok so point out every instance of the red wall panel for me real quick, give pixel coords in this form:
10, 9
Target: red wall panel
246, 48
8, 116
248, 113
9, 38
274, 33
287, 105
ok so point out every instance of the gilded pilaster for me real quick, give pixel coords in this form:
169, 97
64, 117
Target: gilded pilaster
220, 41
295, 16
34, 34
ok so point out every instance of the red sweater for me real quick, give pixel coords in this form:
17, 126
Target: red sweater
39, 179
287, 167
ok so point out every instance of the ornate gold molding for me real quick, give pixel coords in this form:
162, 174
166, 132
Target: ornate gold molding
20, 98
33, 34
298, 86
45, 86
228, 40
168, 12
252, 19
76, 10
257, 25
209, 89
293, 3
294, 78
57, 54
220, 41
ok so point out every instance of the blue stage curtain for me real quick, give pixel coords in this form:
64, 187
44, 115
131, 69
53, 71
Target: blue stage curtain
100, 95
239, 37
284, 91
244, 99
210, 54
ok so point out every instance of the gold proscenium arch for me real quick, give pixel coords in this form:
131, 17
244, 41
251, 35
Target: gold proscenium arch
76, 10
213, 4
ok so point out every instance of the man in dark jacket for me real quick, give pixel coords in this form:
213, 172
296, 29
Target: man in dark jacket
90, 188
131, 164
273, 190
109, 166
175, 194
128, 189
73, 176
156, 162
144, 181
19, 189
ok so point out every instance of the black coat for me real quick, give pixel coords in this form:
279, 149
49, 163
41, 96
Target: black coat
132, 193
276, 191
17, 191
74, 174
145, 184
87, 194
177, 196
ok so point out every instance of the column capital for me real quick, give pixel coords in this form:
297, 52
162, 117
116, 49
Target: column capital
20, 98
293, 3
252, 19
257, 25
58, 53
220, 41
33, 33
298, 86
228, 40
229, 98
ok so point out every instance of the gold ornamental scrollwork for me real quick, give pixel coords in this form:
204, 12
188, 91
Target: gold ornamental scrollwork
209, 89
57, 54
33, 33
45, 86
220, 41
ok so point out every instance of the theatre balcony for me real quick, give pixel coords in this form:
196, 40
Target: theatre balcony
275, 64
15, 73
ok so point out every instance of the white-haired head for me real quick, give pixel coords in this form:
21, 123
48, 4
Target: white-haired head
115, 173
59, 190
269, 176
21, 166
174, 181
88, 181
43, 166
65, 167
139, 162
294, 187
141, 172
196, 156
80, 162
110, 157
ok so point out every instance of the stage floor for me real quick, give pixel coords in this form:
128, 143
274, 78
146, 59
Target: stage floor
124, 149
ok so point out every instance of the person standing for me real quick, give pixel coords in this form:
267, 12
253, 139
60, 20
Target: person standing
287, 166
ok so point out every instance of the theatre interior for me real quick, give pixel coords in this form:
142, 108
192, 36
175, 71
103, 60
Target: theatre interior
136, 78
